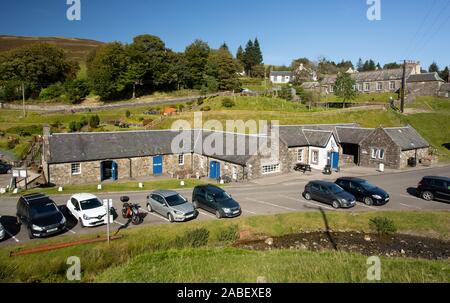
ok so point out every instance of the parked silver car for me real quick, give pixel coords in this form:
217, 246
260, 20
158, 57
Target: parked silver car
171, 205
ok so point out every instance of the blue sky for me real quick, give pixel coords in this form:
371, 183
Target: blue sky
287, 29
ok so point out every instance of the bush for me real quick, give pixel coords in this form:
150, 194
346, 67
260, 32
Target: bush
52, 92
13, 142
229, 234
94, 121
206, 108
128, 114
10, 91
228, 103
383, 226
75, 126
25, 131
193, 238
77, 90
200, 101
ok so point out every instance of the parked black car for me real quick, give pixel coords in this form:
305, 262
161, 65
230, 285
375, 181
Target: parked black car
329, 193
214, 199
364, 191
40, 215
434, 188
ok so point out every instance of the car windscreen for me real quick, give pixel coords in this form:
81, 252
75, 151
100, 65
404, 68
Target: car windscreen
335, 189
367, 186
90, 204
43, 209
175, 200
221, 196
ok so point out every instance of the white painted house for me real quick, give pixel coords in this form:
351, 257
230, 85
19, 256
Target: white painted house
281, 77
320, 155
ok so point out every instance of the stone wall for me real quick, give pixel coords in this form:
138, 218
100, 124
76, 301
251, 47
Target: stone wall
419, 153
61, 174
380, 140
416, 89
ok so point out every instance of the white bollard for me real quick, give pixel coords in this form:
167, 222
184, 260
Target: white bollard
182, 183
99, 187
2, 190
60, 189
222, 182
141, 185
15, 191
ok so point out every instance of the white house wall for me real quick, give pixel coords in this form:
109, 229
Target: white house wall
323, 154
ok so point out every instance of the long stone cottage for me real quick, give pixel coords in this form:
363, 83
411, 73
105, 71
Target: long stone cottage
78, 158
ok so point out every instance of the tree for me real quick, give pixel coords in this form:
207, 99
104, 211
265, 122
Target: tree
258, 56
106, 68
445, 74
76, 90
240, 55
360, 65
392, 65
38, 66
196, 56
222, 67
344, 87
434, 68
94, 121
224, 46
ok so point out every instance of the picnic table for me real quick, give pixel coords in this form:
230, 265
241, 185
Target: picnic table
303, 168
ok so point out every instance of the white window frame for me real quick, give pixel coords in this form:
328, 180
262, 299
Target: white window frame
270, 169
392, 85
300, 155
75, 169
331, 89
367, 87
360, 87
379, 86
377, 153
181, 160
313, 152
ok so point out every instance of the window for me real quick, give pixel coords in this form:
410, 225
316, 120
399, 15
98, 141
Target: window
360, 87
300, 156
355, 87
315, 157
270, 169
378, 154
366, 87
76, 169
180, 160
392, 85
331, 89
380, 86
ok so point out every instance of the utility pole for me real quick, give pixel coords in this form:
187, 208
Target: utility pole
23, 99
402, 104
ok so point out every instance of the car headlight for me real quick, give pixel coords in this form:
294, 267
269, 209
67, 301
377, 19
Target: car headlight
227, 210
343, 201
176, 212
85, 217
37, 228
377, 197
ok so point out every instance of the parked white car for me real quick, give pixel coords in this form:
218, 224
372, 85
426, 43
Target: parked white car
2, 232
88, 210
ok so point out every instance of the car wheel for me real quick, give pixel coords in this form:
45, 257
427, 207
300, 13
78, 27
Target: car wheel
81, 223
427, 196
170, 217
308, 196
368, 201
336, 205
149, 208
218, 214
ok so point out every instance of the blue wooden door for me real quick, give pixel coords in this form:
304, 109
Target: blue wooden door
335, 160
157, 165
114, 175
214, 170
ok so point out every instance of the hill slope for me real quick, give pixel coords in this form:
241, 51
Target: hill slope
77, 49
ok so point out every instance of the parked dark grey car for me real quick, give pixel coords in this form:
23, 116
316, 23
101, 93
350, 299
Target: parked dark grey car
215, 200
434, 188
171, 205
329, 193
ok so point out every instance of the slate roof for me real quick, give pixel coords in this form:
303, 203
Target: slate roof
82, 147
281, 73
377, 75
407, 138
426, 77
353, 135
317, 138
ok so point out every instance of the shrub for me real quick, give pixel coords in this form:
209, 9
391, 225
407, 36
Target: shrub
94, 121
200, 101
180, 107
52, 92
206, 108
13, 142
76, 90
228, 103
75, 126
193, 238
25, 131
128, 114
383, 226
229, 234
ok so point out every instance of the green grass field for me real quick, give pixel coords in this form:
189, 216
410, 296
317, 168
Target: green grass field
144, 245
364, 98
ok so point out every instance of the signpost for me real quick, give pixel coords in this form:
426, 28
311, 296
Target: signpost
108, 204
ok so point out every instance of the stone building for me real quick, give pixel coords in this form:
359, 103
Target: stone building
79, 158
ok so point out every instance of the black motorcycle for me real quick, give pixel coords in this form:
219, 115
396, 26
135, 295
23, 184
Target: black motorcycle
131, 211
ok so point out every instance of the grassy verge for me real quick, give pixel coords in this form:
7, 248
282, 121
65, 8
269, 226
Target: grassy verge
364, 98
97, 258
119, 187
227, 265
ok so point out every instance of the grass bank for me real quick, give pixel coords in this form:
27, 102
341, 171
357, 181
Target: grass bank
147, 241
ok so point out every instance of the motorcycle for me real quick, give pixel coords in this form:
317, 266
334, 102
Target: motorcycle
131, 211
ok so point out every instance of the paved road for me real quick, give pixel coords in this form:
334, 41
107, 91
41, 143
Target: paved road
257, 200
